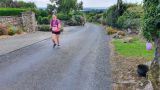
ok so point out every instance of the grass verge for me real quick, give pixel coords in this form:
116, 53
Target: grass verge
135, 49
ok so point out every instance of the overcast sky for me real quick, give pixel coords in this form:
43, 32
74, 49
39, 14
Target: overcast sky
87, 3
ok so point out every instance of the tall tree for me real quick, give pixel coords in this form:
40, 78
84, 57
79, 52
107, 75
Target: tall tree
119, 7
66, 6
151, 30
6, 3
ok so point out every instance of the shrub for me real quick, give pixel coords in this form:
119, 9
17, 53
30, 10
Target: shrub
43, 20
63, 16
111, 18
3, 29
131, 17
111, 30
11, 11
76, 20
44, 27
40, 20
12, 30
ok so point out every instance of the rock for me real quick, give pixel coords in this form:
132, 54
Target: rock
149, 86
129, 31
116, 36
122, 33
128, 40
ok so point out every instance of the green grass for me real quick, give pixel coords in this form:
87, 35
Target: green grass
135, 49
11, 11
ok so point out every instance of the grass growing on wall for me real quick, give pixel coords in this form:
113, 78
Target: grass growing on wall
11, 11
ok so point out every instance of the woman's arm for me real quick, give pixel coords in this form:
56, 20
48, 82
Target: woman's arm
59, 24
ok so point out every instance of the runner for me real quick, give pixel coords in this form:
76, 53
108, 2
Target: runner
55, 27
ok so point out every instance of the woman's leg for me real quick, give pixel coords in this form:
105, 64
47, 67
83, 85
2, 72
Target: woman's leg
53, 39
58, 39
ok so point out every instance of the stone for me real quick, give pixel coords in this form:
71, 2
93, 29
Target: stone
122, 33
27, 21
128, 40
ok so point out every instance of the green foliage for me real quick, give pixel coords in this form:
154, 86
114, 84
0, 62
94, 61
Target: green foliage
131, 17
16, 4
11, 11
151, 19
51, 8
43, 20
11, 30
63, 16
22, 4
135, 49
44, 27
96, 17
76, 20
42, 13
111, 16
67, 5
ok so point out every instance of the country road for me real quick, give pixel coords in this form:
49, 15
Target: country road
81, 63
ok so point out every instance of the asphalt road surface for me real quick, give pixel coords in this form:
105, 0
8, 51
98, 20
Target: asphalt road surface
80, 63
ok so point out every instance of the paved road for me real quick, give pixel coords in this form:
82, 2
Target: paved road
81, 63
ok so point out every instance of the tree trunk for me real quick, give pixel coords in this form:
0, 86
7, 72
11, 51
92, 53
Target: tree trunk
155, 66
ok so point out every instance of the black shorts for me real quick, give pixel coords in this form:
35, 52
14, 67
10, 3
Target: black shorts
57, 33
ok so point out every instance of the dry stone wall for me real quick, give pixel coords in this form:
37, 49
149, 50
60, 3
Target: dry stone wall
27, 21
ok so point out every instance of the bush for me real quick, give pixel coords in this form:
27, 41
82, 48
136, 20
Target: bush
76, 20
63, 16
11, 11
44, 27
111, 16
3, 29
131, 17
43, 20
11, 32
111, 30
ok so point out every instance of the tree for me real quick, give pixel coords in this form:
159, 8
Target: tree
119, 7
79, 6
51, 8
151, 30
66, 6
6, 3
17, 4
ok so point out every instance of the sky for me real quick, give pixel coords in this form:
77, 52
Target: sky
87, 3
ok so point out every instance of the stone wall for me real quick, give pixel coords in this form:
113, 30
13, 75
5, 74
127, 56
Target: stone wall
11, 20
27, 21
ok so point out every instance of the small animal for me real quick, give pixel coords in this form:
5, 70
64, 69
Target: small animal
142, 70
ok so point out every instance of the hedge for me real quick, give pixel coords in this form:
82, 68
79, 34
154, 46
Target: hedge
11, 11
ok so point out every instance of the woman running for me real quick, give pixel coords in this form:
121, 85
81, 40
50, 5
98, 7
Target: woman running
55, 26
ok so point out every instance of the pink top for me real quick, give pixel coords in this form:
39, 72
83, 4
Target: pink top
55, 23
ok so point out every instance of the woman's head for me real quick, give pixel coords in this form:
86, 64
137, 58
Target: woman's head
54, 17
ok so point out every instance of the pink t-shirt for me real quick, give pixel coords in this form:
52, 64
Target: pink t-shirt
54, 24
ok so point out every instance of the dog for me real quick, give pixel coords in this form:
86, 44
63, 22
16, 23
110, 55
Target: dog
142, 70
